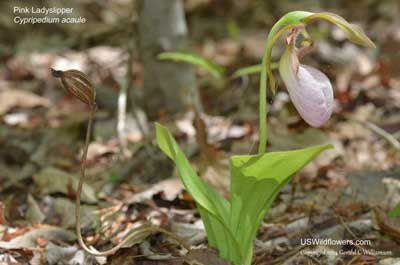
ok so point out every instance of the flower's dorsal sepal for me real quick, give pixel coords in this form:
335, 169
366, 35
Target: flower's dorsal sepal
354, 33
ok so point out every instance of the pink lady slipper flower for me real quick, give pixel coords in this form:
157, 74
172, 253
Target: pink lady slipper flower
309, 89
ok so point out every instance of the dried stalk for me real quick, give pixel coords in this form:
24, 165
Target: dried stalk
79, 85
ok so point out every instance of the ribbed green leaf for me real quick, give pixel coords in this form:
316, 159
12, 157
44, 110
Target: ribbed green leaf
213, 208
255, 182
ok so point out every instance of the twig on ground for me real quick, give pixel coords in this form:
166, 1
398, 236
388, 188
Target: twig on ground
289, 254
314, 259
387, 136
354, 259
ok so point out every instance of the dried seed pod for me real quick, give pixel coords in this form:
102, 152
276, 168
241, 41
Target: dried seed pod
78, 84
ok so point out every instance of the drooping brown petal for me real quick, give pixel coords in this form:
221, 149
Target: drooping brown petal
78, 84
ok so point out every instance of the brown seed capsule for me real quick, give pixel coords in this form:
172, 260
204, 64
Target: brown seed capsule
78, 84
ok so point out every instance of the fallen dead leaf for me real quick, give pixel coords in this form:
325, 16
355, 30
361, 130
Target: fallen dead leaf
41, 242
206, 256
97, 149
217, 128
34, 213
7, 259
63, 255
53, 180
29, 239
193, 233
170, 187
11, 98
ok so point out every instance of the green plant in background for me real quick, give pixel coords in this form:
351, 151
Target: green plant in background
395, 212
213, 68
231, 225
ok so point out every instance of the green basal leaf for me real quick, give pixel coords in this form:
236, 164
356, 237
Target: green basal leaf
213, 68
395, 212
207, 197
213, 208
255, 182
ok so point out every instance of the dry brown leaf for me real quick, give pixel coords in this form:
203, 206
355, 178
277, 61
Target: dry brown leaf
41, 242
206, 256
98, 149
11, 98
8, 259
29, 239
170, 187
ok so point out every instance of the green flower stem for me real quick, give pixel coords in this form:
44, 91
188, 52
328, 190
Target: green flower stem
285, 23
263, 111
